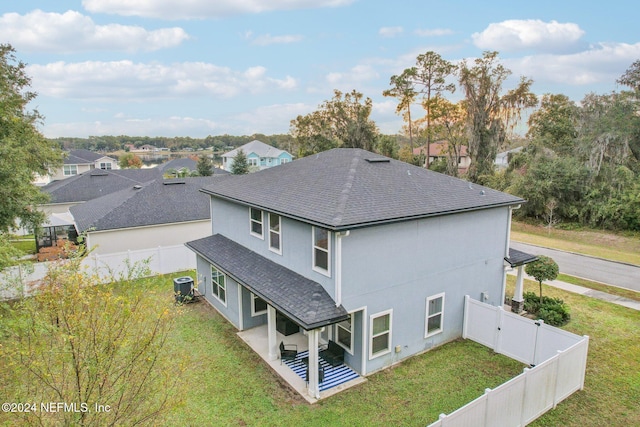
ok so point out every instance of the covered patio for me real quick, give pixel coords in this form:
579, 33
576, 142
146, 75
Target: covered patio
302, 303
336, 379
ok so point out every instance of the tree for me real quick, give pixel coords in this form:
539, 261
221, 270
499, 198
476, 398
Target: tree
631, 77
85, 344
430, 78
544, 268
130, 161
204, 166
403, 89
240, 165
24, 152
553, 125
448, 121
489, 114
342, 121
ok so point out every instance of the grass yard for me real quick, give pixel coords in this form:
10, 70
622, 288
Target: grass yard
612, 386
615, 247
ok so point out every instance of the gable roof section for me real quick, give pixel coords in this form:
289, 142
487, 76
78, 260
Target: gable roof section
82, 157
300, 299
258, 147
154, 203
97, 183
348, 188
517, 258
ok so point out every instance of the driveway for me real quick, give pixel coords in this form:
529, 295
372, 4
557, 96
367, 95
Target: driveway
596, 269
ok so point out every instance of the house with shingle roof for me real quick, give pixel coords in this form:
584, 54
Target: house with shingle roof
259, 156
161, 212
80, 161
360, 259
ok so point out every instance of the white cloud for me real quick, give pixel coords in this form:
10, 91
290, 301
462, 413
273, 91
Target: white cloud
356, 75
129, 80
513, 35
199, 9
433, 32
390, 31
73, 32
268, 39
601, 64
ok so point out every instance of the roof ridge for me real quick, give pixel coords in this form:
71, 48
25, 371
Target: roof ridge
346, 189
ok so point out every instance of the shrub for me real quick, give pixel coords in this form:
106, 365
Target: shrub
553, 311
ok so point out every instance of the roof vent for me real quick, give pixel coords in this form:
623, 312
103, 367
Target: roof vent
378, 160
137, 187
173, 182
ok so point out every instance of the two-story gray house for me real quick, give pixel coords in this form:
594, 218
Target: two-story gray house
355, 250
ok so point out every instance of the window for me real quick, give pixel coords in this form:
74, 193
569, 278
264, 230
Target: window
344, 335
218, 284
69, 170
321, 246
256, 222
380, 334
253, 161
435, 315
258, 306
105, 165
274, 233
283, 161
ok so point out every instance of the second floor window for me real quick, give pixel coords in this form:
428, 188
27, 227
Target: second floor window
321, 245
274, 233
69, 170
256, 222
106, 166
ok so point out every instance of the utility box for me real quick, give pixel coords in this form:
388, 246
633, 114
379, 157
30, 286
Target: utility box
183, 289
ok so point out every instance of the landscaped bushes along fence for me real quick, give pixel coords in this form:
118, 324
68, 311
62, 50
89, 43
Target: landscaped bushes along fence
558, 359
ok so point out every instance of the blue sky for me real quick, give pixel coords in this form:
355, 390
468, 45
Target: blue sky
202, 67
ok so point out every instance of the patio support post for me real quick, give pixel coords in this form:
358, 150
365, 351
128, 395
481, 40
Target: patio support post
517, 303
314, 389
271, 332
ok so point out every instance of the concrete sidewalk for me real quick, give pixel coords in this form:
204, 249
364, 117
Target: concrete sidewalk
626, 302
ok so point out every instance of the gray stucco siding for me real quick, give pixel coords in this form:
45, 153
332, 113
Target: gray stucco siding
398, 266
232, 221
231, 310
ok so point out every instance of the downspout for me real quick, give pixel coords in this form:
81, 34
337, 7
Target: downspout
338, 282
506, 254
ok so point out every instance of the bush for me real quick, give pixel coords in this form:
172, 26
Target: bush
553, 311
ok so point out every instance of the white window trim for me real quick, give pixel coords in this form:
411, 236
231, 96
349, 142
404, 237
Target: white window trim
260, 236
255, 313
426, 316
73, 170
335, 338
371, 337
279, 233
320, 270
216, 295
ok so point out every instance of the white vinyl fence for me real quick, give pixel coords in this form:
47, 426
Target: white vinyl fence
558, 359
22, 280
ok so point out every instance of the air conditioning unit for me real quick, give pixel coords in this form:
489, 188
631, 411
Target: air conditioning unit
183, 289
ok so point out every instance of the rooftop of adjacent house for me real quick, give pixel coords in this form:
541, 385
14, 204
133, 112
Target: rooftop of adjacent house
300, 299
437, 149
82, 156
153, 203
96, 183
258, 147
347, 188
188, 163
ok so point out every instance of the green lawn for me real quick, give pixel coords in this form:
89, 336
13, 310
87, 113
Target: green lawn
227, 384
224, 383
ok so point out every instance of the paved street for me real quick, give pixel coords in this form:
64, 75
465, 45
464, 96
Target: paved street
612, 273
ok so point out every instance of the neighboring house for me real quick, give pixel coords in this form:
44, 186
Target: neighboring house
502, 159
259, 155
439, 151
80, 161
92, 184
360, 252
188, 164
163, 212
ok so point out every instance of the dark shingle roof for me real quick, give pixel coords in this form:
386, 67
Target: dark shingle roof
347, 188
517, 257
302, 300
82, 156
154, 203
179, 163
97, 183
